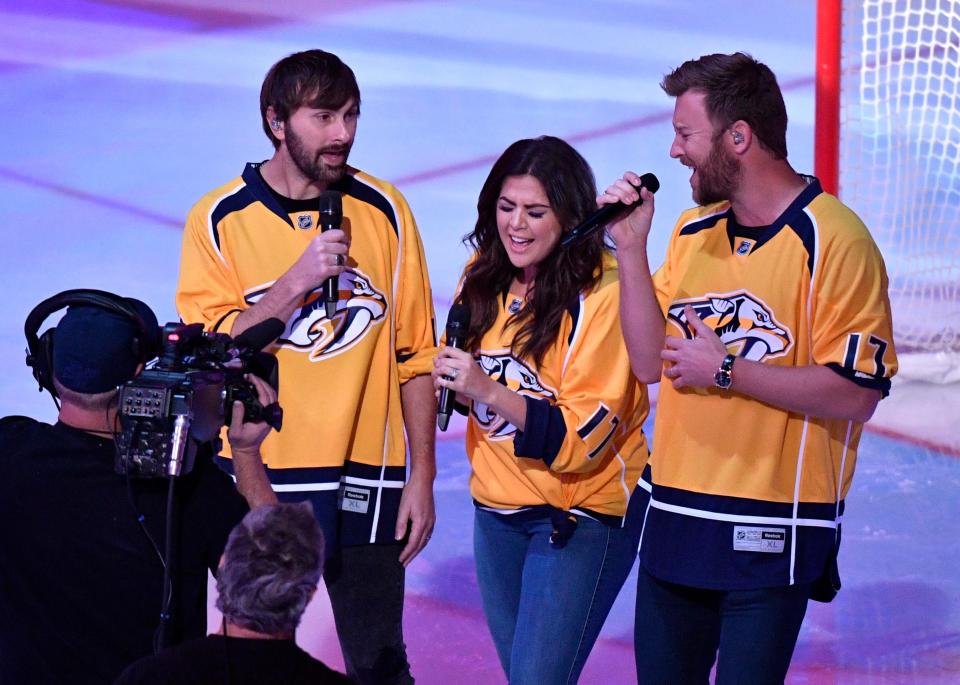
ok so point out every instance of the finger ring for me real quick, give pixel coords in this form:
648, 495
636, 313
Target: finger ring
453, 374
339, 260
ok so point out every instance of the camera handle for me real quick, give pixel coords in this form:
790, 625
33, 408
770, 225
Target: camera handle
178, 444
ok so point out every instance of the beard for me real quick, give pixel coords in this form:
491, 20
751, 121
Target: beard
313, 167
718, 176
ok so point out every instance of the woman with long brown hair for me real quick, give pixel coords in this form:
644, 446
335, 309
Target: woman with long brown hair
554, 433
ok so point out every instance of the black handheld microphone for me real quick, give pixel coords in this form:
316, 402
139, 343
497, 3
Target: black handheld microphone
608, 213
249, 345
331, 216
259, 335
458, 323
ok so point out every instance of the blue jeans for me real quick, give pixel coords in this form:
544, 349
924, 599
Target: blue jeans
545, 606
679, 631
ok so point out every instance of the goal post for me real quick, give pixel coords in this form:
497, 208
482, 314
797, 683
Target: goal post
888, 144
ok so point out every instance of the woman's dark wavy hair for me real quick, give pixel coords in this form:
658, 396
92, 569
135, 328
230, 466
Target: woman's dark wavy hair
562, 275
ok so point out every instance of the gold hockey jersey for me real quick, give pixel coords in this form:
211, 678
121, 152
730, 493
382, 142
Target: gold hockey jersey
583, 448
339, 380
747, 495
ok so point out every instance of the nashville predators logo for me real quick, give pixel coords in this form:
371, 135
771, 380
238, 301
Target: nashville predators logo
518, 377
360, 307
743, 322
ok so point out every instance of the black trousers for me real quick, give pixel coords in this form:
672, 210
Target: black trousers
365, 584
680, 631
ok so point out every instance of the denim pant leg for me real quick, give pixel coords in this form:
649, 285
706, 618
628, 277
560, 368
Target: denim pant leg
758, 631
621, 555
499, 549
562, 599
366, 584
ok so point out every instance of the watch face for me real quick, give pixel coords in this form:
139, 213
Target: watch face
722, 379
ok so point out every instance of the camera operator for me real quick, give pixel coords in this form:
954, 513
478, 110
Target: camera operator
82, 547
268, 573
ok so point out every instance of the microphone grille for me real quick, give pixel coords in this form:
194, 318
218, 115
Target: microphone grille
459, 318
650, 182
331, 204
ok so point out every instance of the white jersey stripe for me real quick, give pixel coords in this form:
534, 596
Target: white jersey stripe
742, 518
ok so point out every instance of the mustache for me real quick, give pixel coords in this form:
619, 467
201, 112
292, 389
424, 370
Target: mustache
334, 150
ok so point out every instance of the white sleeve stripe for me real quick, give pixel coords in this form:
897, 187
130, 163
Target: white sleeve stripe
698, 219
578, 333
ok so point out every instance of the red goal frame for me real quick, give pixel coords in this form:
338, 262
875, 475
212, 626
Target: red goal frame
826, 152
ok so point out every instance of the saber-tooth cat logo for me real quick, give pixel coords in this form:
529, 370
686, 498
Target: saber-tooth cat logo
517, 376
360, 307
743, 322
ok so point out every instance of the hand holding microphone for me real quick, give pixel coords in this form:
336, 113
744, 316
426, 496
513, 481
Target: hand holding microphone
617, 204
325, 255
331, 217
458, 324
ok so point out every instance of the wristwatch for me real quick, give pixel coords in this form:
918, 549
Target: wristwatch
723, 378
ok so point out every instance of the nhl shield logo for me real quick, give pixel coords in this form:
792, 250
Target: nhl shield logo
305, 221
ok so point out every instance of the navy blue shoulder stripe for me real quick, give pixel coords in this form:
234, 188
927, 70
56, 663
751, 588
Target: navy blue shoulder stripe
573, 309
797, 219
261, 193
704, 224
348, 185
228, 205
802, 225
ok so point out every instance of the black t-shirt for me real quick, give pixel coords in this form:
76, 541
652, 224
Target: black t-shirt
80, 582
219, 660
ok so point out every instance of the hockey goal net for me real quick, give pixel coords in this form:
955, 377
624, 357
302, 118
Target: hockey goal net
888, 143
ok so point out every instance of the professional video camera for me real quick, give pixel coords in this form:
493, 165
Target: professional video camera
189, 393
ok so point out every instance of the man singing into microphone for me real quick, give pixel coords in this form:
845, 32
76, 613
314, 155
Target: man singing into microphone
350, 385
778, 346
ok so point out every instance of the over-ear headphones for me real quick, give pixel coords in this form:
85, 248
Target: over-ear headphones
146, 342
737, 137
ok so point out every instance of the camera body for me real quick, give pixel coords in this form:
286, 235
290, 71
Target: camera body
186, 397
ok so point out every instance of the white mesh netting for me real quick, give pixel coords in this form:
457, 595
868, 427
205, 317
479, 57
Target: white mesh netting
900, 165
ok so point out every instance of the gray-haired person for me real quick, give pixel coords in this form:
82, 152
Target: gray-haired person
268, 574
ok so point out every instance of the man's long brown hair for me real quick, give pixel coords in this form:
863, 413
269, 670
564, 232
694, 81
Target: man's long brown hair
566, 272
